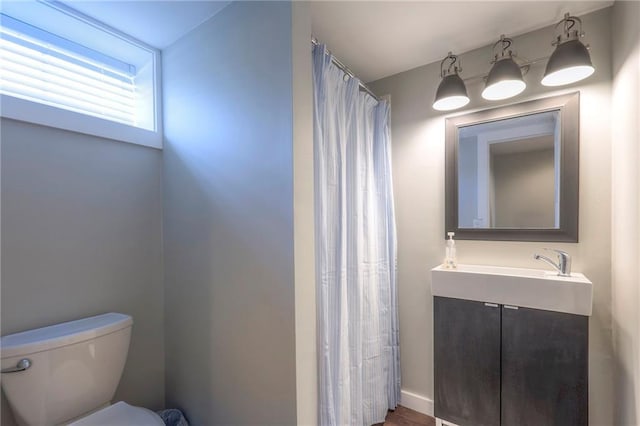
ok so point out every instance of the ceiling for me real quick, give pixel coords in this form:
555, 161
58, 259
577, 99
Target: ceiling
374, 39
158, 23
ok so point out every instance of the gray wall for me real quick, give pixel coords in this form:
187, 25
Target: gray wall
418, 166
228, 226
626, 209
81, 235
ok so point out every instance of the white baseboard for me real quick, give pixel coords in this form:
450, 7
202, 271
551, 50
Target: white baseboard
416, 402
440, 422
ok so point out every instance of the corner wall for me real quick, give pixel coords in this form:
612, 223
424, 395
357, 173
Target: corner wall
81, 236
303, 209
625, 120
229, 219
418, 166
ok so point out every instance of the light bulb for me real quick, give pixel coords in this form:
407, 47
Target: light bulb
568, 75
452, 102
503, 89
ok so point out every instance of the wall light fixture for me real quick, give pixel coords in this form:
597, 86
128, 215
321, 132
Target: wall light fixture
505, 78
570, 62
451, 93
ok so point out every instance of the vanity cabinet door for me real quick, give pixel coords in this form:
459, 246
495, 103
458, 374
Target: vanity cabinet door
467, 362
544, 368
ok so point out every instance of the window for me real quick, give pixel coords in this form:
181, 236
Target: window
63, 69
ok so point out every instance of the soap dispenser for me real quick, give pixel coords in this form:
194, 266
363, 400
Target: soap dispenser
450, 260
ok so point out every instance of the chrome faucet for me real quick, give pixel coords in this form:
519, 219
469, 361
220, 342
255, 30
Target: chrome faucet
564, 262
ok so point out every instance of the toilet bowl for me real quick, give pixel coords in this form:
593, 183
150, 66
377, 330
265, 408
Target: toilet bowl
67, 374
120, 413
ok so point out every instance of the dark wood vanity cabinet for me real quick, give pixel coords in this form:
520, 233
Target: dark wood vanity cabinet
500, 365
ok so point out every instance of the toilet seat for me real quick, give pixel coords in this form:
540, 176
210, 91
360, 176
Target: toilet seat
121, 414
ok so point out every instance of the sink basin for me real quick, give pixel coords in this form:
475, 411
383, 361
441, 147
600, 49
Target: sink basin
530, 288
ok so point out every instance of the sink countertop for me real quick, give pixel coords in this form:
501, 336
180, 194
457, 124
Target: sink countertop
530, 288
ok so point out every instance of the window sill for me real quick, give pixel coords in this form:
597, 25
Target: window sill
32, 112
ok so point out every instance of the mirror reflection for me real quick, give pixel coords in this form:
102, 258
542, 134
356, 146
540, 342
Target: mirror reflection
509, 173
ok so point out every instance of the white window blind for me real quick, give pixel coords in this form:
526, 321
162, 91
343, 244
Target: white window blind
42, 67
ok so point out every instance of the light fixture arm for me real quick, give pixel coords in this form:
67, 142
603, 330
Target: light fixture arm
569, 32
505, 49
453, 61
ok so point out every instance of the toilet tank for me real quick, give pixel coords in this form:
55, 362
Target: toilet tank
75, 368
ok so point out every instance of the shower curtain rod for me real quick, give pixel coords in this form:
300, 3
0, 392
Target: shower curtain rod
347, 71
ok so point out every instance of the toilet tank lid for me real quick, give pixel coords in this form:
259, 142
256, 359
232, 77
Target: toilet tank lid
58, 335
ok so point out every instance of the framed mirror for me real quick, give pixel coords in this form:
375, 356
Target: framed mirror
512, 172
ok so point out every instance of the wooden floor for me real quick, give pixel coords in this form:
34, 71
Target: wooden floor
405, 417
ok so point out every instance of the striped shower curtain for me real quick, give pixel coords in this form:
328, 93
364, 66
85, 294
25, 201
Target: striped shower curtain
358, 343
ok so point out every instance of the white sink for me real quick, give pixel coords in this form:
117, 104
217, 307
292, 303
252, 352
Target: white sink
530, 288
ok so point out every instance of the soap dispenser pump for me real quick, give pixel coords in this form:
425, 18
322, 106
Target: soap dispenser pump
450, 260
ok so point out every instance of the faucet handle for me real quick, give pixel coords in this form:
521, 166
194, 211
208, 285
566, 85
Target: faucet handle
564, 262
561, 253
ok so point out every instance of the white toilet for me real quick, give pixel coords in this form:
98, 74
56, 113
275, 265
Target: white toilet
67, 374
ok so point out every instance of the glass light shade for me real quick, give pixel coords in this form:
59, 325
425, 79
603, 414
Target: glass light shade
504, 81
570, 62
451, 94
